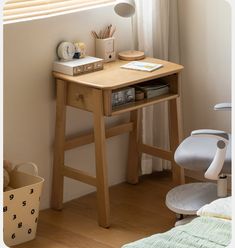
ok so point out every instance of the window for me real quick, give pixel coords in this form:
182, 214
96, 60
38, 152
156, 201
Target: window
22, 10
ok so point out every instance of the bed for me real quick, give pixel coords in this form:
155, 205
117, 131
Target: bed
211, 229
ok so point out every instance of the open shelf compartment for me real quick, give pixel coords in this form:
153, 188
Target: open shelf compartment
171, 80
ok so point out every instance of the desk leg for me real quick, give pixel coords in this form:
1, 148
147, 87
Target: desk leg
174, 138
134, 156
58, 179
101, 164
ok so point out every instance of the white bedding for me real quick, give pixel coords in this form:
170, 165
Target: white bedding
221, 208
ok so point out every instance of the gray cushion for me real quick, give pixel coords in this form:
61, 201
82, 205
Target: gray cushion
197, 153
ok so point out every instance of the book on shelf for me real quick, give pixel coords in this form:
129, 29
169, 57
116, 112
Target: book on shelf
153, 90
142, 66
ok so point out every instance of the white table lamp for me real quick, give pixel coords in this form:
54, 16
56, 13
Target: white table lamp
126, 8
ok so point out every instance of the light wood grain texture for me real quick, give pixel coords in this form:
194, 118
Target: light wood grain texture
58, 163
79, 175
134, 156
180, 122
89, 137
114, 77
143, 103
154, 151
79, 97
131, 55
174, 138
107, 102
137, 212
101, 163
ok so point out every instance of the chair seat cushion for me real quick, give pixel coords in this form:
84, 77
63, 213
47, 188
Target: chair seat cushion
197, 153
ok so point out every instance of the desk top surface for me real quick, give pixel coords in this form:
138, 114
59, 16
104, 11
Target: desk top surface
114, 77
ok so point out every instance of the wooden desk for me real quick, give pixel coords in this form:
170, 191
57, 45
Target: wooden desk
92, 92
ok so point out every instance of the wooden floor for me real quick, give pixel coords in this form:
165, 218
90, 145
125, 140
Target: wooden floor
137, 211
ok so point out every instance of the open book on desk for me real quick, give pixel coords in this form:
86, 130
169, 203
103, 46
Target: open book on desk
142, 66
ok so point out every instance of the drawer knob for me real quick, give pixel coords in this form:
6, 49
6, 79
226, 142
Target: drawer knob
79, 97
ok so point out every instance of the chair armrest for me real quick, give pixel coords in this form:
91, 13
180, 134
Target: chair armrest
222, 142
211, 133
223, 106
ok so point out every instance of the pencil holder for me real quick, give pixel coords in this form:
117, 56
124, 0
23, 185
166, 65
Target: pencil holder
105, 49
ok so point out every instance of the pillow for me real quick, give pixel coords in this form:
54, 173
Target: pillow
221, 208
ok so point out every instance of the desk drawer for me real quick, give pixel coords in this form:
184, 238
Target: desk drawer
79, 96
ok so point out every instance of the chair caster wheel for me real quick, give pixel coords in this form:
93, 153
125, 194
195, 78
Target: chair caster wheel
179, 216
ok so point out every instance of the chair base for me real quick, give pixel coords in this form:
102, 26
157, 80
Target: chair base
185, 220
187, 199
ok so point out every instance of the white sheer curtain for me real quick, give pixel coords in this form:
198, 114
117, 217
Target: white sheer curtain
156, 33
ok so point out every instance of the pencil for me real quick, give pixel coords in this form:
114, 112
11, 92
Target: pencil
112, 32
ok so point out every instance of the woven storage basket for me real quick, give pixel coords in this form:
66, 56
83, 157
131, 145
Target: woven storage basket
21, 206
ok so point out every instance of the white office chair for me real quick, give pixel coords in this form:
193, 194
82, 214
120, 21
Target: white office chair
208, 151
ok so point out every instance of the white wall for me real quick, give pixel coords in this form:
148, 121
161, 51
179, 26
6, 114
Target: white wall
205, 50
29, 96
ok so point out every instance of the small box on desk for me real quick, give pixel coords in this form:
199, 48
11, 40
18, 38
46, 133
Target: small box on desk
76, 67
